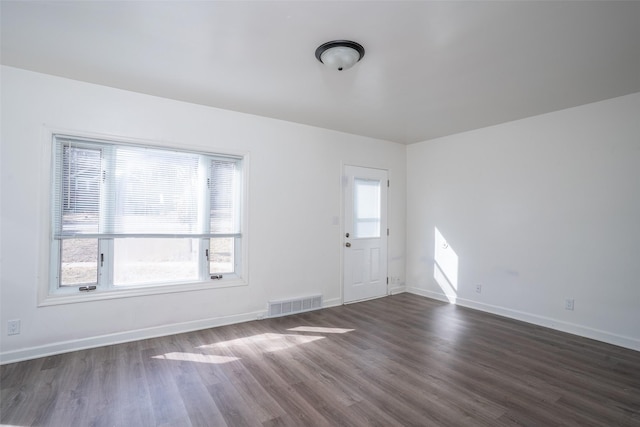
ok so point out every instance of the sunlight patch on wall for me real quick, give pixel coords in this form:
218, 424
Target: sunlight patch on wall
445, 268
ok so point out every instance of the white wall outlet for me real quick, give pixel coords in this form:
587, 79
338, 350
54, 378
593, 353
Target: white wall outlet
479, 288
13, 327
568, 304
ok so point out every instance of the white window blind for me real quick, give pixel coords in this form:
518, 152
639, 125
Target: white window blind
77, 205
109, 191
153, 193
224, 198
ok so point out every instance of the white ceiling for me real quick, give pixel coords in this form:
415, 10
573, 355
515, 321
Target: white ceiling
430, 68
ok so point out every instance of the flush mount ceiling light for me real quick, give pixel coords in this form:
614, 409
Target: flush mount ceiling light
340, 54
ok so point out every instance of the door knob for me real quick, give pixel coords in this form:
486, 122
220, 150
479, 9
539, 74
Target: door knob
348, 244
346, 235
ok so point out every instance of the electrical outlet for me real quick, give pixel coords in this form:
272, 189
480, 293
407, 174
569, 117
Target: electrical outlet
568, 304
479, 288
13, 327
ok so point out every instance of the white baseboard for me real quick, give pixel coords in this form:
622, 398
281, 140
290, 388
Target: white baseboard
333, 302
559, 325
122, 337
394, 290
429, 294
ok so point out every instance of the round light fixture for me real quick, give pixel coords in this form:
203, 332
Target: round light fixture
340, 54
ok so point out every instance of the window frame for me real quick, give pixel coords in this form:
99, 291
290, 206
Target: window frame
50, 293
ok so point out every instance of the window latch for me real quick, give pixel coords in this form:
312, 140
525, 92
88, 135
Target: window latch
216, 276
87, 288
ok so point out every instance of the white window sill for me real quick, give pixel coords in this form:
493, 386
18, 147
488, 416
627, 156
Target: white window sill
99, 295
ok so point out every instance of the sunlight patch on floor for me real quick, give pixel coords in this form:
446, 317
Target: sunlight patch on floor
320, 330
267, 342
196, 357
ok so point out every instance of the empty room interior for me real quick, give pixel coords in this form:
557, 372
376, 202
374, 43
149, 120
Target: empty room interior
320, 213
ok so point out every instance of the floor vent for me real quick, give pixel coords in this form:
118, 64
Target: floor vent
292, 306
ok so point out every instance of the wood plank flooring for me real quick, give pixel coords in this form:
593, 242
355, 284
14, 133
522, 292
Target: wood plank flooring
396, 361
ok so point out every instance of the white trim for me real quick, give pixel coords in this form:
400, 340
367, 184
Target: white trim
547, 322
395, 290
333, 302
428, 294
122, 337
365, 299
97, 295
49, 131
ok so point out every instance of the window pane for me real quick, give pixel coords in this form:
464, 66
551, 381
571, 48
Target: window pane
223, 197
365, 229
154, 192
140, 261
366, 208
80, 204
79, 264
221, 255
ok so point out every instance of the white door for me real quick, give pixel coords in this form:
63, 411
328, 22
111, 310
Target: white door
365, 233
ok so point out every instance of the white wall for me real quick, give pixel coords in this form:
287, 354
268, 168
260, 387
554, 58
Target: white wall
536, 211
295, 194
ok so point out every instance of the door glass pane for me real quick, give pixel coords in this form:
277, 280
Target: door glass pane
79, 262
140, 261
221, 251
366, 204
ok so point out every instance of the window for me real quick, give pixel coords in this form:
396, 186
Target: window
366, 210
128, 216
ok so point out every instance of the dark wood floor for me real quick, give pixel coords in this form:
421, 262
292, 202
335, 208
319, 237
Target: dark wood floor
396, 361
